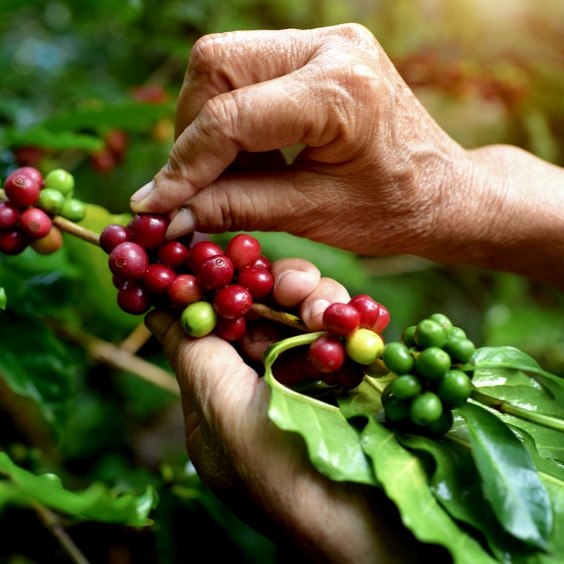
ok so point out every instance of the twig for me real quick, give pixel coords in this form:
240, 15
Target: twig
280, 316
136, 339
117, 357
53, 524
76, 230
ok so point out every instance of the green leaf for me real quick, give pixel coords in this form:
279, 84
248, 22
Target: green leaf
97, 502
43, 373
509, 477
333, 444
60, 140
511, 357
3, 298
455, 482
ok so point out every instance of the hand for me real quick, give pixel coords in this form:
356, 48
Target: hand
375, 168
264, 474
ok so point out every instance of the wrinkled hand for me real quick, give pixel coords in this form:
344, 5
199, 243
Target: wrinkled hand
374, 169
260, 472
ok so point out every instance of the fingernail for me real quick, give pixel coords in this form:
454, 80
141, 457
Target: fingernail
183, 222
138, 198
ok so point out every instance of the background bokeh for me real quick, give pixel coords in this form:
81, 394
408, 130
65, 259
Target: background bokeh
90, 86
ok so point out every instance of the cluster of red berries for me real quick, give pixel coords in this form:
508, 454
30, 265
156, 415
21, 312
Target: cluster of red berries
31, 201
342, 354
221, 285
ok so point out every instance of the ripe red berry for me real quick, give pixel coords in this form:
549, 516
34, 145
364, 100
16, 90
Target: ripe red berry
202, 251
112, 235
35, 222
350, 375
9, 215
13, 241
172, 253
368, 309
157, 277
184, 289
31, 172
21, 190
232, 301
148, 229
243, 250
128, 261
257, 280
383, 319
263, 262
341, 319
133, 298
215, 272
327, 353
231, 329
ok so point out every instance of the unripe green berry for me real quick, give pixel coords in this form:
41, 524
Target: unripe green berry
198, 319
408, 336
61, 180
364, 346
443, 321
73, 209
429, 333
454, 387
398, 358
433, 363
460, 349
442, 425
426, 408
406, 387
396, 410
51, 200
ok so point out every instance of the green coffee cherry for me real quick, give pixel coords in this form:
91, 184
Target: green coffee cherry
442, 425
397, 358
443, 321
433, 363
454, 388
429, 333
406, 387
198, 319
460, 349
408, 336
61, 180
426, 408
51, 200
73, 209
395, 410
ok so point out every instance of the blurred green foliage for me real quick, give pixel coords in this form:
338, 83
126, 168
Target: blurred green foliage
77, 76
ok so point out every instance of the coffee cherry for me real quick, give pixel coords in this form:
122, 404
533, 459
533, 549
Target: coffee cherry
442, 425
73, 210
398, 358
157, 277
47, 245
396, 410
13, 241
35, 222
202, 251
128, 261
383, 319
51, 201
433, 363
232, 301
454, 388
31, 172
349, 375
408, 336
148, 230
406, 386
368, 309
341, 319
257, 280
172, 253
133, 298
61, 180
21, 190
460, 349
231, 329
112, 235
327, 353
184, 289
443, 321
9, 215
426, 408
263, 262
364, 346
198, 319
215, 272
243, 250
429, 333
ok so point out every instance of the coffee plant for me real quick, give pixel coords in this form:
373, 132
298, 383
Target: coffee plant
466, 441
